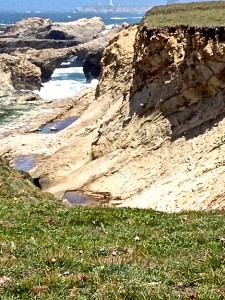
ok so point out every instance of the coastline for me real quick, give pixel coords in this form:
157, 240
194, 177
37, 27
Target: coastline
107, 9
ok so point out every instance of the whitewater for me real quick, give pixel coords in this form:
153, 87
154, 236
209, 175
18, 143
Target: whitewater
67, 81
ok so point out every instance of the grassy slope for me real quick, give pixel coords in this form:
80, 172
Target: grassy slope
208, 14
50, 251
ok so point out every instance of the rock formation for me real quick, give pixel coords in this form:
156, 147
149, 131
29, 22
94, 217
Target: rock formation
47, 45
17, 74
152, 134
27, 28
49, 59
80, 31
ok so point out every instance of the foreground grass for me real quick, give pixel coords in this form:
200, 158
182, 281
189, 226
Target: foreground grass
49, 251
199, 14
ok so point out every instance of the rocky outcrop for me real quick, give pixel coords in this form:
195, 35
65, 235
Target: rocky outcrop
173, 127
27, 28
17, 74
37, 33
80, 31
35, 40
49, 59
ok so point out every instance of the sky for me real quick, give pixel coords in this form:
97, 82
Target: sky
65, 5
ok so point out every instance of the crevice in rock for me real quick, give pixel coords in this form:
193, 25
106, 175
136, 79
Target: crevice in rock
36, 182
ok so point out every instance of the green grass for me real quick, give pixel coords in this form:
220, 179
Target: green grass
49, 251
209, 14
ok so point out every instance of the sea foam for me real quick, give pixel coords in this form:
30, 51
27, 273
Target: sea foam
65, 82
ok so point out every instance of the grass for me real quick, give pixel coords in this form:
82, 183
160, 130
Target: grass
201, 14
50, 251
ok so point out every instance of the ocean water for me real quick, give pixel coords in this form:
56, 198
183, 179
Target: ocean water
67, 82
9, 18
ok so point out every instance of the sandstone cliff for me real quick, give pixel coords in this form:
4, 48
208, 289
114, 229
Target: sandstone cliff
155, 137
152, 134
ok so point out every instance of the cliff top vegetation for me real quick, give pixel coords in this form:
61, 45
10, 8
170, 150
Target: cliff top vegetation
51, 251
200, 14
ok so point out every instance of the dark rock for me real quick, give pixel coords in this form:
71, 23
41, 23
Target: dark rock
92, 67
8, 45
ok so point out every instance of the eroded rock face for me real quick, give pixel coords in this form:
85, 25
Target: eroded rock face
47, 44
173, 127
18, 74
181, 74
159, 126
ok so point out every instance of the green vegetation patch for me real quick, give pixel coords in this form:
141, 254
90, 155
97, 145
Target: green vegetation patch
201, 14
50, 251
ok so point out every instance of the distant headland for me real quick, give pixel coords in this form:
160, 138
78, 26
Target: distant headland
113, 9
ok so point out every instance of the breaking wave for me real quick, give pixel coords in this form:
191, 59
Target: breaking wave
65, 82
